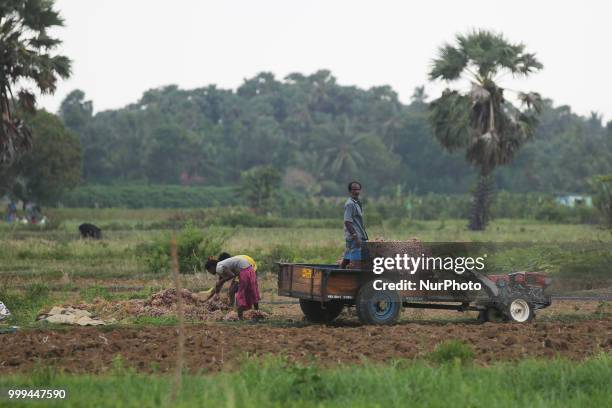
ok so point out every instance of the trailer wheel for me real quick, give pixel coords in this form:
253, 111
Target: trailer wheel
316, 312
519, 310
491, 314
380, 307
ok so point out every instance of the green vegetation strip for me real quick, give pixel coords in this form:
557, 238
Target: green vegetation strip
273, 382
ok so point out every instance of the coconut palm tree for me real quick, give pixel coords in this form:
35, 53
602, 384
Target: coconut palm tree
343, 156
25, 59
480, 119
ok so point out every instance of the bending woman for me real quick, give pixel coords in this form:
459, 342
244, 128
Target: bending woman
228, 269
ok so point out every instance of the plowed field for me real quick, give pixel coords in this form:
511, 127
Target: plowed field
217, 346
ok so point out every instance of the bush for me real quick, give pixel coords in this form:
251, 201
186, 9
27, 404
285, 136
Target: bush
149, 196
602, 187
248, 219
453, 351
552, 212
193, 246
258, 187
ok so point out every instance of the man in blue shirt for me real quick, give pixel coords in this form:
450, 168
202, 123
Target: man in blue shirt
354, 230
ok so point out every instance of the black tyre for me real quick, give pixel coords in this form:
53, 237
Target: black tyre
519, 310
492, 315
318, 312
379, 307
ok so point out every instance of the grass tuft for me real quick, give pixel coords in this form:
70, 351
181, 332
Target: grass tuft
452, 352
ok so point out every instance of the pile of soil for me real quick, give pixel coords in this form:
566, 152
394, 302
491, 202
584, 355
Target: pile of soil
164, 303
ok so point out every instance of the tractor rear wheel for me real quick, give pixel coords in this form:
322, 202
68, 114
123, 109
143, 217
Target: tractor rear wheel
519, 310
318, 312
379, 307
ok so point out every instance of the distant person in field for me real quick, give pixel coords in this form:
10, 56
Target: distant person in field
236, 267
355, 234
11, 214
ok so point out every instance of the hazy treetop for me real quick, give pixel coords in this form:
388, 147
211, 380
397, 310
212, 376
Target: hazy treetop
121, 48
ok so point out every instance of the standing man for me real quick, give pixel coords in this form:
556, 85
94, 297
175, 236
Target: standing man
354, 230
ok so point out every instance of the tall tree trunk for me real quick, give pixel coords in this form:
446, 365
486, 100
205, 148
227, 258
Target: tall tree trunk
479, 213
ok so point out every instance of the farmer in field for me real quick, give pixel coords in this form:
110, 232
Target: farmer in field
235, 284
247, 294
354, 230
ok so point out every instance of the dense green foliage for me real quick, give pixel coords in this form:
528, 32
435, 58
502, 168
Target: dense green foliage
602, 188
318, 135
276, 383
258, 187
289, 208
193, 246
144, 196
50, 168
26, 58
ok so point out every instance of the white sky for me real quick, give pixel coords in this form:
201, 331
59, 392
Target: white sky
120, 48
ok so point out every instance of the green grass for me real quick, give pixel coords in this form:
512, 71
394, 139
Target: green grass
25, 305
274, 383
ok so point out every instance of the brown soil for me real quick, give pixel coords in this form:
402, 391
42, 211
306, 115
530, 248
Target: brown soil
215, 346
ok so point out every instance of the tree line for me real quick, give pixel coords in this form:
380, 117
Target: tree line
317, 134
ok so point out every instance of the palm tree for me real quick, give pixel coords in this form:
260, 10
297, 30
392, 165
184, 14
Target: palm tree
25, 57
480, 120
342, 156
419, 95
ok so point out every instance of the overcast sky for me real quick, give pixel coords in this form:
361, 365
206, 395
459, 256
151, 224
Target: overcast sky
120, 48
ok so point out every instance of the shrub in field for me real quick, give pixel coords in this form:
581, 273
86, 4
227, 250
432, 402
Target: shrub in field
454, 352
248, 219
37, 291
149, 196
258, 186
193, 246
602, 187
553, 212
583, 215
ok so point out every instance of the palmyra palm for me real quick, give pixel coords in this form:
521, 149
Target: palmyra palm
480, 119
